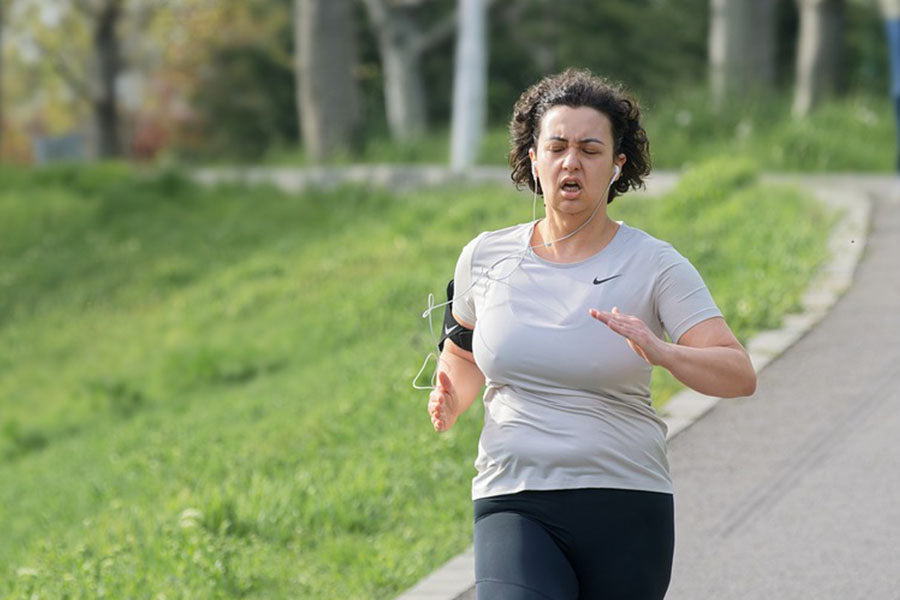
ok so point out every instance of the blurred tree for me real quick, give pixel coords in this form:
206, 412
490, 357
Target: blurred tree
819, 52
469, 84
246, 102
105, 19
96, 85
327, 96
407, 30
233, 61
402, 41
741, 47
652, 46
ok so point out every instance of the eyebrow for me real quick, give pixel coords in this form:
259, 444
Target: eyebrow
584, 141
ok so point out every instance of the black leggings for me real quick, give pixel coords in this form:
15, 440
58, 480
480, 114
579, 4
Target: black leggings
584, 544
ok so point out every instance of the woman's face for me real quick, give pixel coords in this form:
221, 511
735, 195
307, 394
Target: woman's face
574, 158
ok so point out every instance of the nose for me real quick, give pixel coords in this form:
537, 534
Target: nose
570, 162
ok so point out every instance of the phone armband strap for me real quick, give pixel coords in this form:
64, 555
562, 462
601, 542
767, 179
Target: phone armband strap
461, 336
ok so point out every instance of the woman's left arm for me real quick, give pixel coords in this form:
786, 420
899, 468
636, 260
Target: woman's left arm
707, 357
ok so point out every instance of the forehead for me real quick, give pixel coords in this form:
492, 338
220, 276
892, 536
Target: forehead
575, 123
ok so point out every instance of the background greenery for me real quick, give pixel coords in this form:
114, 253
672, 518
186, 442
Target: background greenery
205, 392
854, 133
248, 114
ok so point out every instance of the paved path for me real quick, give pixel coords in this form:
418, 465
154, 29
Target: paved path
795, 492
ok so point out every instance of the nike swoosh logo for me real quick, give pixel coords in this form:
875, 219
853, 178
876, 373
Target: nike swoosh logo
599, 281
447, 331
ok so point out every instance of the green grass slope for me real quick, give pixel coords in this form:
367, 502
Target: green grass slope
852, 133
205, 392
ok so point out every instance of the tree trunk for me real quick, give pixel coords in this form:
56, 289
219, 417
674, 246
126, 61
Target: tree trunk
819, 52
469, 85
327, 98
106, 50
399, 44
741, 47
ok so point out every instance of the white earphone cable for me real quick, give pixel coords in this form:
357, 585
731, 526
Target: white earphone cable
431, 307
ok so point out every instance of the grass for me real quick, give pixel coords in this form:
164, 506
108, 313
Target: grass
205, 392
854, 133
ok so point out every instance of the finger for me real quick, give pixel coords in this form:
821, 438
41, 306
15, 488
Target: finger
617, 316
636, 347
601, 316
618, 326
444, 381
639, 351
436, 406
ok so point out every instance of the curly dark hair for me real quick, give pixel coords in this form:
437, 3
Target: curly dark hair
576, 88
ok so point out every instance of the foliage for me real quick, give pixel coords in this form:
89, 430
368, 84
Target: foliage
851, 134
247, 103
235, 62
205, 391
218, 76
652, 46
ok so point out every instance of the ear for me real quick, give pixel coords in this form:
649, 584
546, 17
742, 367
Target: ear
621, 159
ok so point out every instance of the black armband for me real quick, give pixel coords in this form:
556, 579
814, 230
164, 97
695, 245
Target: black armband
460, 335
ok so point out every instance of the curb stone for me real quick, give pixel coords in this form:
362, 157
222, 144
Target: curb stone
455, 580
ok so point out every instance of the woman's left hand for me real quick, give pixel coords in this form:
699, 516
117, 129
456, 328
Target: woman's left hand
643, 341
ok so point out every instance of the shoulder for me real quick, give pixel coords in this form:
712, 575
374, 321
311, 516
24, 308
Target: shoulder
515, 232
656, 252
499, 241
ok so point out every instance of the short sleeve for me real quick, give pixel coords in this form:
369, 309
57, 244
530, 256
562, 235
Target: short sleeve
682, 298
463, 284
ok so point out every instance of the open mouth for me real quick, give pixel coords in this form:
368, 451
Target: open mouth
571, 186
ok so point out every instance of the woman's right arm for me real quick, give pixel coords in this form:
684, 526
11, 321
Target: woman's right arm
459, 382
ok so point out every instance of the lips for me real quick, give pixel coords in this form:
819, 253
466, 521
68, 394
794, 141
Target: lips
570, 187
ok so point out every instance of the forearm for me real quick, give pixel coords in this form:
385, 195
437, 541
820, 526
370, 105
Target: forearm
722, 371
466, 377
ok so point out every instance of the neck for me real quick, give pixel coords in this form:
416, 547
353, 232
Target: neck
589, 240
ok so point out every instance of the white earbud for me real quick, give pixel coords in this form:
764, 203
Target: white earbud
618, 171
533, 171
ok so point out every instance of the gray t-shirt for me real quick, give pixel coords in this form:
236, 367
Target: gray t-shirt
567, 402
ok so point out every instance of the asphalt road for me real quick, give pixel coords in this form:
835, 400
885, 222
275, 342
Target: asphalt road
795, 492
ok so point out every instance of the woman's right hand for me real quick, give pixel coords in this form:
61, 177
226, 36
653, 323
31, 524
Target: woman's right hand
442, 404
